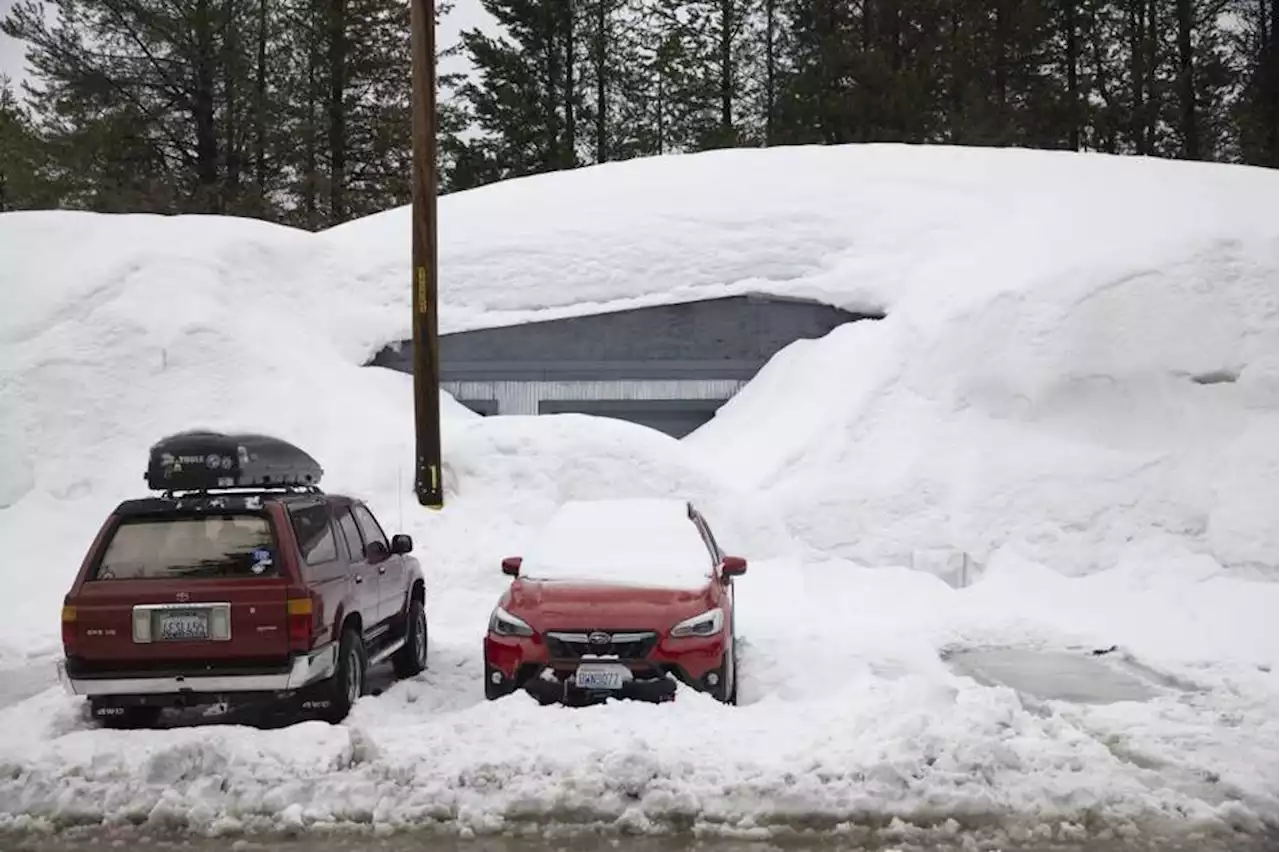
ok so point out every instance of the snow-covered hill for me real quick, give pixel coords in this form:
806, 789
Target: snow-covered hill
1077, 369
1079, 350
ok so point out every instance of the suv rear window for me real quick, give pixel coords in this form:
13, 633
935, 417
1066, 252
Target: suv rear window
235, 545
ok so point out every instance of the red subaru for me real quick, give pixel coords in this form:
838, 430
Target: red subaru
616, 599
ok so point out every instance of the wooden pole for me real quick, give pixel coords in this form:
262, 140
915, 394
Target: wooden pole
426, 343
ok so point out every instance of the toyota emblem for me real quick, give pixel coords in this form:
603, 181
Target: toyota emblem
599, 637
183, 597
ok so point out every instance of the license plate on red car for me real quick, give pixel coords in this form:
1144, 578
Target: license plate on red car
180, 626
591, 676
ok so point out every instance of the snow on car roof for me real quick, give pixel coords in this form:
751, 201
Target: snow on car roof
647, 542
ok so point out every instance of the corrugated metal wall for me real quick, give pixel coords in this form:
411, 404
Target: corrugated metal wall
668, 367
523, 397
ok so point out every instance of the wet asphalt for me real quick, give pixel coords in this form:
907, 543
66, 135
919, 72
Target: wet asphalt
101, 840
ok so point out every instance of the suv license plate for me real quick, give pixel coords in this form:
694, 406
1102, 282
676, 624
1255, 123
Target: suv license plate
600, 677
178, 626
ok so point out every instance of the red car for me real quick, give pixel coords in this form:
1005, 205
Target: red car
617, 598
241, 583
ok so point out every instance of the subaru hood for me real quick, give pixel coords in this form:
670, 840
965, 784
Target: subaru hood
581, 605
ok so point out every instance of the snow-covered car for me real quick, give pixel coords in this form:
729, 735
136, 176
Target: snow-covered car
240, 583
616, 598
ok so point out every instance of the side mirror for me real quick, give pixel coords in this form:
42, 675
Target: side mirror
401, 543
511, 566
375, 552
734, 566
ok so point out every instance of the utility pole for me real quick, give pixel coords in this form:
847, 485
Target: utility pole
426, 342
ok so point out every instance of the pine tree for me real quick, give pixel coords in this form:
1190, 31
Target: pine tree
524, 106
24, 183
149, 86
1253, 115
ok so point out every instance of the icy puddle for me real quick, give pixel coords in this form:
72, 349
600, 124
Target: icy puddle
1081, 678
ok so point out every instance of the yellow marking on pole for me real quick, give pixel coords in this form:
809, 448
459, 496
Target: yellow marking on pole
422, 289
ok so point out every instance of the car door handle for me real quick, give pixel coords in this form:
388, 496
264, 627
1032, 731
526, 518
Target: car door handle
359, 579
382, 569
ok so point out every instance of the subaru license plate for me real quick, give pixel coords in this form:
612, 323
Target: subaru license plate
179, 626
600, 677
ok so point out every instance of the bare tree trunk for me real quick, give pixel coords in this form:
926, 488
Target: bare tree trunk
202, 108
569, 154
337, 111
1272, 40
662, 107
1152, 106
602, 92
1137, 14
1102, 80
1073, 82
310, 186
552, 83
231, 137
1187, 84
726, 70
770, 72
260, 109
959, 78
1002, 73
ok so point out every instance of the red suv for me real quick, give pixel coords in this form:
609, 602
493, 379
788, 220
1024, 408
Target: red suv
617, 598
242, 582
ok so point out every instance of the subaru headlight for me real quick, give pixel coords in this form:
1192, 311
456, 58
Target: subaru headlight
503, 623
708, 623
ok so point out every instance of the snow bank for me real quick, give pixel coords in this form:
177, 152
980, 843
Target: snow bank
116, 330
637, 542
849, 732
1061, 380
1079, 349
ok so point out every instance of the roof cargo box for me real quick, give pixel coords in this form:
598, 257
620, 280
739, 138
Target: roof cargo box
199, 461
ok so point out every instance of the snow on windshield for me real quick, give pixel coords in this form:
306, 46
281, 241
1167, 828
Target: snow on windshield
644, 542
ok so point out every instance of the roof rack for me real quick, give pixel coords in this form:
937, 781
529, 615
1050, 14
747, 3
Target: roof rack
242, 491
203, 461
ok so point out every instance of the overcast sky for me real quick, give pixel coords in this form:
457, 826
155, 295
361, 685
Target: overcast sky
467, 14
11, 61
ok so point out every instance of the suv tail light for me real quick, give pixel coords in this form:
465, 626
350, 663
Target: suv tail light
302, 615
68, 628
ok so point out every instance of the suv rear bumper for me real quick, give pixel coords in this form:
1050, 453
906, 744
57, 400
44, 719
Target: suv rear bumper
305, 670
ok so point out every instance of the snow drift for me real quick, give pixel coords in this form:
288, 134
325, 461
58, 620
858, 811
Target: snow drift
1077, 369
1079, 349
116, 330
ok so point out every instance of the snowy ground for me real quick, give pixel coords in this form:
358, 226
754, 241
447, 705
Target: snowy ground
1086, 406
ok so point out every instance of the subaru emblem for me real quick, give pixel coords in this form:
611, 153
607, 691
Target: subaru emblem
599, 637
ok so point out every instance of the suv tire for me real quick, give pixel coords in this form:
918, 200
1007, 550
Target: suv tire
348, 682
412, 658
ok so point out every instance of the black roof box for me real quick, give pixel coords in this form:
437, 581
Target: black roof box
200, 461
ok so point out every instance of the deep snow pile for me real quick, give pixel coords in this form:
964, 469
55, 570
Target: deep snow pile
1031, 387
1078, 350
849, 719
117, 330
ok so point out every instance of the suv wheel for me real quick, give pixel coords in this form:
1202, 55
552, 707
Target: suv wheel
412, 658
348, 681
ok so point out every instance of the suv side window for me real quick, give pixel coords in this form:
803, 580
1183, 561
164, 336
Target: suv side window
351, 533
369, 525
314, 533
